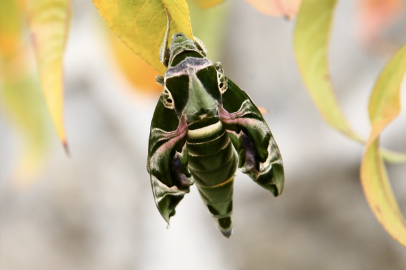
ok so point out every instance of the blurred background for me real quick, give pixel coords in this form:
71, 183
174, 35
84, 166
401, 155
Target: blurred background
95, 209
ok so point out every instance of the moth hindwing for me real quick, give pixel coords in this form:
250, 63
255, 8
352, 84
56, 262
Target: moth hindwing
200, 118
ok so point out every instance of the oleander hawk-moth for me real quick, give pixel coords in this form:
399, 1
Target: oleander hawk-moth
200, 118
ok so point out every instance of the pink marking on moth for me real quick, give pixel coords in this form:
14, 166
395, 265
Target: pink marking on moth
238, 116
262, 129
172, 136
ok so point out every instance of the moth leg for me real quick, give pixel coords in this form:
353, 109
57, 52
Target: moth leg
160, 80
250, 153
180, 173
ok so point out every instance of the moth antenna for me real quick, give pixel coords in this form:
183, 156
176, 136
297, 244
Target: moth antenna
164, 52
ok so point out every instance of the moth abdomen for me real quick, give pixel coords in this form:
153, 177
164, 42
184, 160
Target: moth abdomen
212, 163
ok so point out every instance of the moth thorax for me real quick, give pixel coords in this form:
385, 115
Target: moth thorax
199, 119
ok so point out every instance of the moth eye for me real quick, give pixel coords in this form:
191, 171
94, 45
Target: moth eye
167, 99
221, 85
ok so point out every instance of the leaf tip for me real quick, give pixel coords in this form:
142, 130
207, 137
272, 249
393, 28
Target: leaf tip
66, 147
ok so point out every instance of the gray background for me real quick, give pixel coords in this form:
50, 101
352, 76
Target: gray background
95, 209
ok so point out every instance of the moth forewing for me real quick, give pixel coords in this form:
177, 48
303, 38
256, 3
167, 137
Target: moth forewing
243, 121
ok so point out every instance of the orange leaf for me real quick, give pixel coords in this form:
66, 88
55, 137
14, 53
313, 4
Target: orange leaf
287, 8
375, 15
137, 71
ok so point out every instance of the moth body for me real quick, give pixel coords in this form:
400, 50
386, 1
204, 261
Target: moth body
200, 119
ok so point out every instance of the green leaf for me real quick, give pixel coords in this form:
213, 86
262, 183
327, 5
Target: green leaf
141, 24
209, 26
22, 101
48, 21
21, 98
311, 42
384, 107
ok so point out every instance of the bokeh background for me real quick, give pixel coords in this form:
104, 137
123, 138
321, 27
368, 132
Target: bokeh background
95, 209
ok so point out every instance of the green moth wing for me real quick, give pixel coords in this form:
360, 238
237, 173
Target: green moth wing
258, 153
167, 158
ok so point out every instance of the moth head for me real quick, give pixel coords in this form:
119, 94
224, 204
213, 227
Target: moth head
181, 43
178, 38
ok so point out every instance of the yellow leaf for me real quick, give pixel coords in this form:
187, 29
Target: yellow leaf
384, 104
136, 70
208, 25
208, 3
311, 48
48, 21
287, 8
393, 157
142, 24
384, 107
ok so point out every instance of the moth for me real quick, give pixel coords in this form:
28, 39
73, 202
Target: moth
203, 127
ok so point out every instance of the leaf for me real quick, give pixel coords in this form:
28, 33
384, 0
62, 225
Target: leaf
376, 15
207, 3
20, 94
384, 104
311, 48
393, 157
209, 26
311, 41
48, 21
287, 8
384, 107
11, 25
22, 102
135, 69
142, 24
